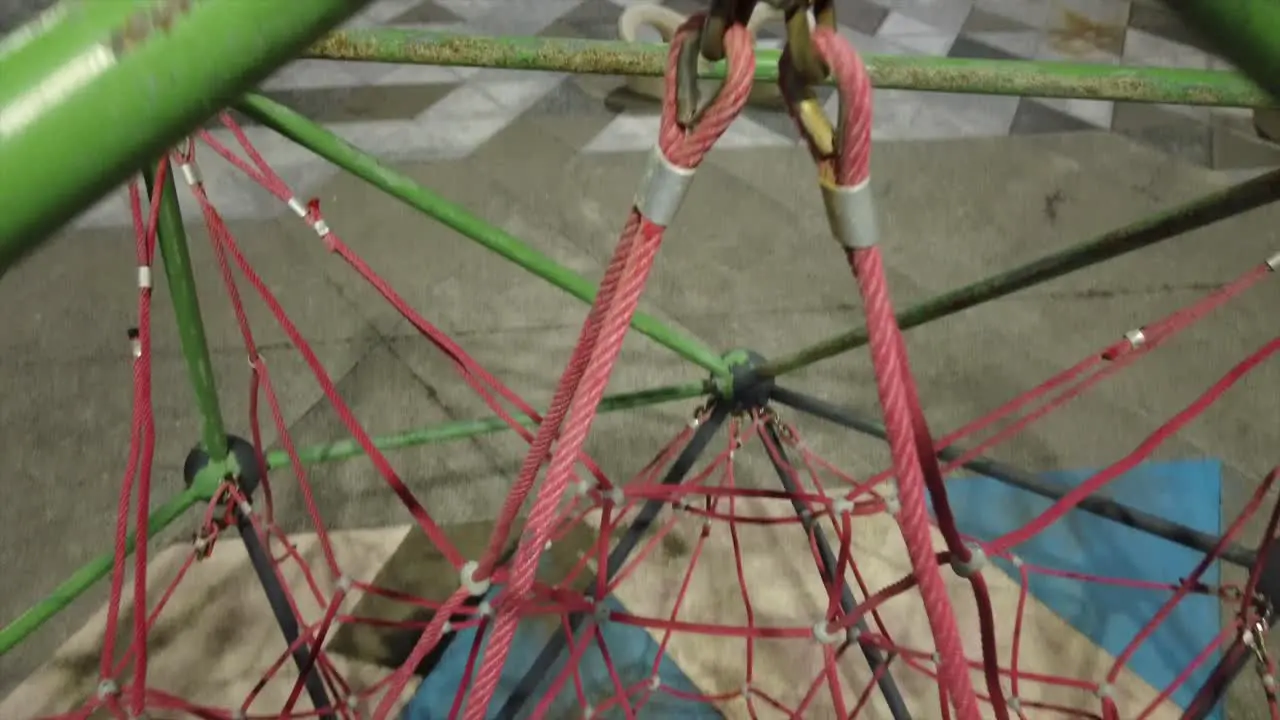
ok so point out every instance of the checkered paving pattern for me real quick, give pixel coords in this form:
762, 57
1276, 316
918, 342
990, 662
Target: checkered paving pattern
420, 113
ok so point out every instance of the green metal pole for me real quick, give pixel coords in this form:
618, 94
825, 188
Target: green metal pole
87, 576
95, 91
987, 77
172, 239
1148, 231
366, 167
463, 429
1246, 32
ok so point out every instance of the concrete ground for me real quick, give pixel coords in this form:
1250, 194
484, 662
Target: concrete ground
749, 263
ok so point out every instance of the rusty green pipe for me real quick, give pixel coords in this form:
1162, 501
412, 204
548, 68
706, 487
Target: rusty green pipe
91, 92
957, 75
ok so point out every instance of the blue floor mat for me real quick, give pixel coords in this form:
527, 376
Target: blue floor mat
632, 651
1188, 492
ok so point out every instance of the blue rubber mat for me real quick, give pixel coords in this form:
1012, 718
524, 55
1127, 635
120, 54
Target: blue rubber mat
632, 651
1188, 492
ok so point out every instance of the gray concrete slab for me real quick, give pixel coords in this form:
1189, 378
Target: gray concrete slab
748, 263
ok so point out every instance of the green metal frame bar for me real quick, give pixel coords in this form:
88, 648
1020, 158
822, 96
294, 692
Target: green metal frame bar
171, 238
126, 79
929, 74
98, 568
366, 167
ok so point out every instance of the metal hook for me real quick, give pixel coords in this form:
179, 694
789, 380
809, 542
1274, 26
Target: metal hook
813, 120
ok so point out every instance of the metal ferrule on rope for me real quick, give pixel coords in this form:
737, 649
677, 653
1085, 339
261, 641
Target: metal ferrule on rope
662, 189
851, 214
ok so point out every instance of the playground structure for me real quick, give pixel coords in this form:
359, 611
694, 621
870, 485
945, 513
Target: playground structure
82, 58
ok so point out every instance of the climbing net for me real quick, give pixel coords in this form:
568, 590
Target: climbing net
971, 651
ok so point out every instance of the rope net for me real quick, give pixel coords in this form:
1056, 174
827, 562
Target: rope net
848, 660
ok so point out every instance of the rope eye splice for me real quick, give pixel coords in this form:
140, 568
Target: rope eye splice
707, 43
814, 51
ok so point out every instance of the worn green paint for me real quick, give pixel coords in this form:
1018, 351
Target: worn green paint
985, 77
180, 276
366, 167
111, 85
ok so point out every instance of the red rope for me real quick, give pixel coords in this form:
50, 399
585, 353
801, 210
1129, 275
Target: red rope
632, 262
914, 460
711, 494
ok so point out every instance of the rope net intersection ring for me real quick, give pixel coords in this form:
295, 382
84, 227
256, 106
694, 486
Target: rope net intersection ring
501, 588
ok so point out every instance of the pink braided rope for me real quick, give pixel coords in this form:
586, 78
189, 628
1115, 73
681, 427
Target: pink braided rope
551, 422
852, 167
632, 263
853, 162
543, 515
686, 147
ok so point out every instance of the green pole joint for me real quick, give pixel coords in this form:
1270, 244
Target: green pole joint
210, 478
723, 384
172, 239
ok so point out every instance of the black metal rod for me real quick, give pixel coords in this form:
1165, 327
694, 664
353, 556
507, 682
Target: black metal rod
875, 658
264, 568
1096, 505
684, 462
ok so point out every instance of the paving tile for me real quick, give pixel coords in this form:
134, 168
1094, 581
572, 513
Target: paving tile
1033, 118
1232, 149
943, 17
1032, 13
929, 44
893, 113
1097, 13
1142, 48
361, 103
1171, 132
984, 21
861, 15
897, 24
943, 115
1078, 33
425, 13
1020, 45
968, 47
515, 17
1159, 21
1067, 48
570, 98
1097, 113
592, 19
